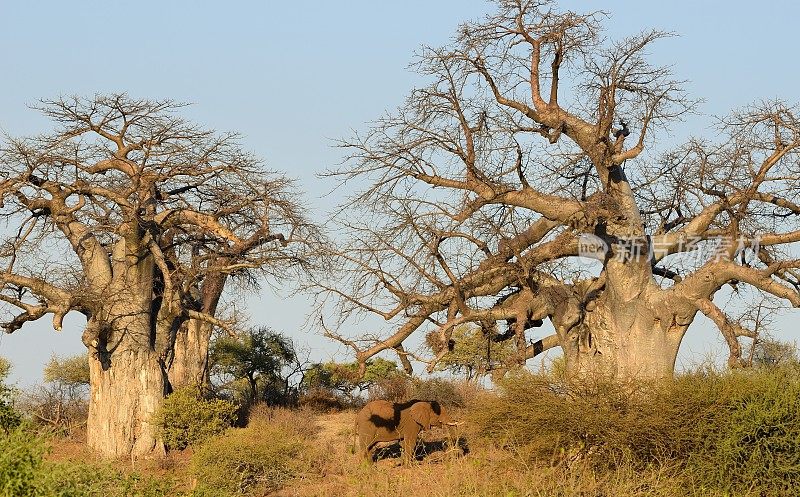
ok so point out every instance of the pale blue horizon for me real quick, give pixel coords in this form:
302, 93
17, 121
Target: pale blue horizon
292, 78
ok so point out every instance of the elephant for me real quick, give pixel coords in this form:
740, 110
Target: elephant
383, 421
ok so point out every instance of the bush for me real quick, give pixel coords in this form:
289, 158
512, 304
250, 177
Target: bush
9, 417
187, 419
322, 400
63, 402
254, 460
755, 444
71, 479
400, 388
396, 388
605, 422
21, 455
53, 405
444, 391
25, 473
737, 432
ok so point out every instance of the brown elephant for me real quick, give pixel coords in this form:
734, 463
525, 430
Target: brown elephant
383, 421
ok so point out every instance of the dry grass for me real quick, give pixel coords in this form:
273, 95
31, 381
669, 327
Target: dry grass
520, 457
485, 471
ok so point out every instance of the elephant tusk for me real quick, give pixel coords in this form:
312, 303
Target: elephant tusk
455, 423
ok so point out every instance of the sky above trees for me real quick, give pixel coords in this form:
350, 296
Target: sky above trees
295, 77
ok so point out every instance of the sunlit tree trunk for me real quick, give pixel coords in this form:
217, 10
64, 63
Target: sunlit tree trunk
190, 361
127, 375
622, 340
127, 387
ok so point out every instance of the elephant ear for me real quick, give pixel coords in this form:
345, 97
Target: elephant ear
421, 414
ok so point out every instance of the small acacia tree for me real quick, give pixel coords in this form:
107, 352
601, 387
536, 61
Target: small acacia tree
471, 351
346, 378
135, 218
5, 368
534, 144
9, 418
72, 372
258, 356
769, 353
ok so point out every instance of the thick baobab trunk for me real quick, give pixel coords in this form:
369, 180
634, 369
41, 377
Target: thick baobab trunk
127, 384
629, 328
126, 367
624, 340
190, 359
127, 387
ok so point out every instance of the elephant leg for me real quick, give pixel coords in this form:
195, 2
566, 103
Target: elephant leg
409, 445
369, 454
365, 443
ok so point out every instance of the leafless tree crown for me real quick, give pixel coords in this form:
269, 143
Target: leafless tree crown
534, 131
120, 172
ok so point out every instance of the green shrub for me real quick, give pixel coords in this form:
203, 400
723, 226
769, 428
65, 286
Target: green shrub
729, 433
21, 456
187, 419
755, 445
70, 479
609, 423
254, 460
9, 417
25, 473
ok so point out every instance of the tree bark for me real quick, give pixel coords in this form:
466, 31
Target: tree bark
190, 361
127, 347
625, 340
127, 388
190, 364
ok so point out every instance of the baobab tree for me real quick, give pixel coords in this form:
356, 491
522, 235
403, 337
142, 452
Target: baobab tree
534, 145
135, 218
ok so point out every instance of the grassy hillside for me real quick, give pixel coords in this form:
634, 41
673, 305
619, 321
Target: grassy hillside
702, 434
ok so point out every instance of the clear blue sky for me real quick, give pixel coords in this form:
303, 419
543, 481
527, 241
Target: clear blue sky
294, 76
